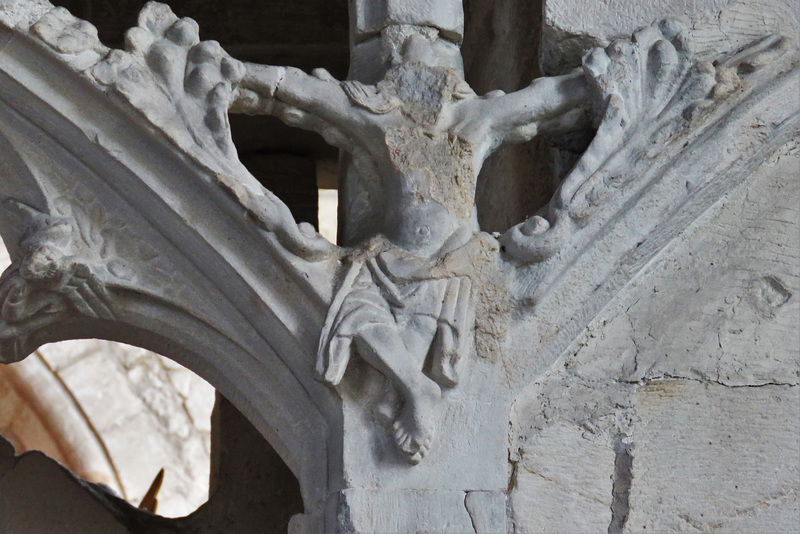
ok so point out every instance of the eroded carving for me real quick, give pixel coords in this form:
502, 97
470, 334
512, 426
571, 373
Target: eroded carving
418, 281
423, 134
183, 87
412, 286
51, 281
647, 89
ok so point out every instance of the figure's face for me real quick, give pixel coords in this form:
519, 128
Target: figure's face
42, 263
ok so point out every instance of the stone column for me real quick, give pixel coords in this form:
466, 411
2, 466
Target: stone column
460, 485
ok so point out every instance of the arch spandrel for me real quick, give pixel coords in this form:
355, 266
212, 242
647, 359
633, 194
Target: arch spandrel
119, 235
143, 133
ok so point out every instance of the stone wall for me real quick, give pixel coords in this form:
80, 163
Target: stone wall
678, 408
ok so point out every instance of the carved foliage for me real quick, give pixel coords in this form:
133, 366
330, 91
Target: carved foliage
649, 92
183, 87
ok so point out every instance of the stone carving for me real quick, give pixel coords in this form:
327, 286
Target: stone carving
423, 135
413, 285
647, 88
51, 279
407, 301
183, 87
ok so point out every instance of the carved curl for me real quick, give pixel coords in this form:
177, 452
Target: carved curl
647, 90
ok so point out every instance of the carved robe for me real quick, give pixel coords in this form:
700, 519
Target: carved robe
379, 290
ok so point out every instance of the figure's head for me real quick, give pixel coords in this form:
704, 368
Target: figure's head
404, 43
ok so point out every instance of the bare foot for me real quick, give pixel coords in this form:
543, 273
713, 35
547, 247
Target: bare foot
416, 425
389, 406
446, 355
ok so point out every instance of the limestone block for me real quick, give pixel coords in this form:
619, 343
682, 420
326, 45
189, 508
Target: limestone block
701, 348
59, 356
433, 512
371, 16
103, 391
563, 482
709, 457
37, 495
487, 510
376, 462
572, 26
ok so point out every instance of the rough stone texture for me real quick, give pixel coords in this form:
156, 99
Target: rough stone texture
113, 414
709, 457
572, 27
124, 414
230, 284
562, 482
371, 16
683, 392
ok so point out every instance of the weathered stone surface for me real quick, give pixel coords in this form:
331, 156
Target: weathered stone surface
416, 381
712, 457
562, 482
692, 370
437, 512
572, 27
370, 17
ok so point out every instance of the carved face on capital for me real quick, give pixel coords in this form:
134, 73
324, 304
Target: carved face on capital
41, 264
44, 253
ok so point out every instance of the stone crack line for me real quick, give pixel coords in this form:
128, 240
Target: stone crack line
562, 486
667, 376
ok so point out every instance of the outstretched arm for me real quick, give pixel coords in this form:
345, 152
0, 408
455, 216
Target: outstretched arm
312, 101
553, 104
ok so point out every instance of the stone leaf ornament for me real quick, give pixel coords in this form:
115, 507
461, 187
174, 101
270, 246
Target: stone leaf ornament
649, 91
233, 270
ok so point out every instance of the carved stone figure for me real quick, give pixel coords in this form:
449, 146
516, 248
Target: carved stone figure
422, 134
51, 278
234, 288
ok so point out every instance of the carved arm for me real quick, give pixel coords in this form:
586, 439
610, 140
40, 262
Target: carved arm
554, 104
314, 101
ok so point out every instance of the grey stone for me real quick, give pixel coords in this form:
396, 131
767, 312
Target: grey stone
713, 457
437, 336
572, 27
370, 17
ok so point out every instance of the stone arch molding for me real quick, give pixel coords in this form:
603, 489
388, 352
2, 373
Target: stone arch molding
101, 247
129, 217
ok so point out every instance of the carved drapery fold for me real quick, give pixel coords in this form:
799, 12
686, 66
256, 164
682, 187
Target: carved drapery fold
129, 217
